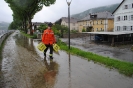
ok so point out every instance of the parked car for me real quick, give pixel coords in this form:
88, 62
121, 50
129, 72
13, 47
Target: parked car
98, 37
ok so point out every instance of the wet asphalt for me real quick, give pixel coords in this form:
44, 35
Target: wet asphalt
24, 66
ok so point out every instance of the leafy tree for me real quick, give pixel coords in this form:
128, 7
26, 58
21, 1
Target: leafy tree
12, 26
60, 29
83, 30
74, 31
24, 10
42, 27
89, 29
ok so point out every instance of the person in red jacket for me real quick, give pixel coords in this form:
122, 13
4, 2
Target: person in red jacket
48, 39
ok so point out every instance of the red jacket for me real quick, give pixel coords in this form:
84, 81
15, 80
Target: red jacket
48, 37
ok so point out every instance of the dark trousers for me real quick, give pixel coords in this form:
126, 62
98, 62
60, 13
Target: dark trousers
51, 49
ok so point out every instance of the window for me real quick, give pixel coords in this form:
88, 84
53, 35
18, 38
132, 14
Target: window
126, 7
125, 17
131, 17
73, 24
124, 28
131, 28
101, 22
118, 28
118, 18
132, 5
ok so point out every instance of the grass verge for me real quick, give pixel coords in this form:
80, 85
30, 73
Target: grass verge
28, 35
123, 67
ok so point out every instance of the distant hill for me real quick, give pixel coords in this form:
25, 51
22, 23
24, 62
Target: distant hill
4, 25
109, 8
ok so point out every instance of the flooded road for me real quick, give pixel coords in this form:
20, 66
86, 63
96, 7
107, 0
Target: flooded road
24, 66
123, 52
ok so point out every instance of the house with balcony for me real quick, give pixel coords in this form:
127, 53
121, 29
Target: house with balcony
97, 22
123, 17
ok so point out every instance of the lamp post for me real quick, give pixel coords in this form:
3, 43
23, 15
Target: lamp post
68, 3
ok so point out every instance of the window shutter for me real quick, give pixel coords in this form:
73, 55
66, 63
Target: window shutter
129, 6
128, 28
127, 17
121, 18
123, 7
121, 28
131, 16
115, 28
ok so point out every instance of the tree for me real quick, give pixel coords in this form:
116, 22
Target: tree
24, 10
74, 31
89, 29
83, 30
42, 27
12, 26
60, 29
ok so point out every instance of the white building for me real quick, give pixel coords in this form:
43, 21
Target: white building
123, 16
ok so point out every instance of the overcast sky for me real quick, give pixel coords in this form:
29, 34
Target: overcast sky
56, 11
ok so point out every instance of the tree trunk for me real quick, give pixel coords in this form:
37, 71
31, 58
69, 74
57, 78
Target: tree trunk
30, 27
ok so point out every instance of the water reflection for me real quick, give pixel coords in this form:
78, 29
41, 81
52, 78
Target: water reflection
69, 61
51, 72
24, 42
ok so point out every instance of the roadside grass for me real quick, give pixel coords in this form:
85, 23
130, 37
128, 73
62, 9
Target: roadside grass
123, 67
28, 35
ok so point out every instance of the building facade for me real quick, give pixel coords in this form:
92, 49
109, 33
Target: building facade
64, 21
123, 16
96, 22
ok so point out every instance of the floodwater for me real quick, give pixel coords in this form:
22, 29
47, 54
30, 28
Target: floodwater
121, 52
24, 66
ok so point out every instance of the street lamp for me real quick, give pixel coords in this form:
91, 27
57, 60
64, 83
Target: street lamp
68, 3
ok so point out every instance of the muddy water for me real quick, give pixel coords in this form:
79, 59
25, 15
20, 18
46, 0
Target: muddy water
21, 66
123, 53
24, 66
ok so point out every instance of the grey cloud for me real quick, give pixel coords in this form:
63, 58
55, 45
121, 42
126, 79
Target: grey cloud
58, 10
